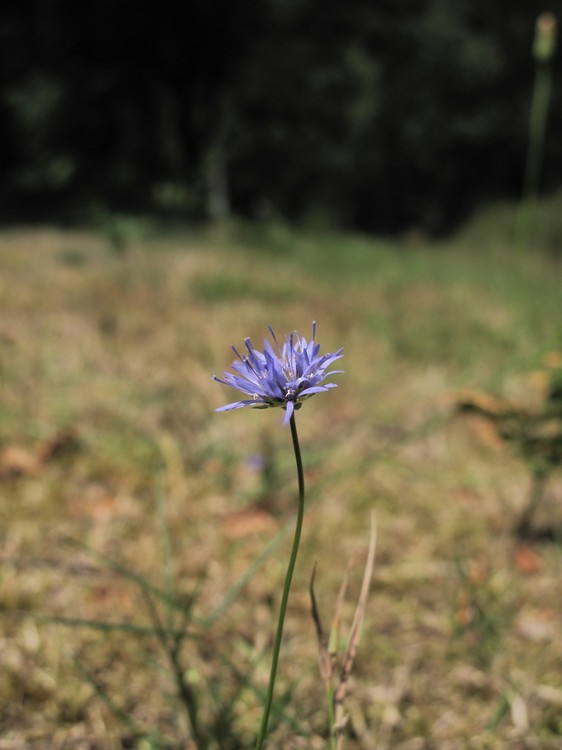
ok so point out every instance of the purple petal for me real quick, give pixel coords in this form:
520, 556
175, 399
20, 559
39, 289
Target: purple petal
238, 405
289, 412
273, 376
315, 389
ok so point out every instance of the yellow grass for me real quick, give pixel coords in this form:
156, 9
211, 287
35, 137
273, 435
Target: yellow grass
107, 404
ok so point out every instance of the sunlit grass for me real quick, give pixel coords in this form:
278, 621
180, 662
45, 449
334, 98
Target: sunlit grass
461, 640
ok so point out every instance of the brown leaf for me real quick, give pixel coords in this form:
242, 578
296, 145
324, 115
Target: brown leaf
486, 432
254, 520
17, 461
96, 503
537, 625
473, 400
526, 560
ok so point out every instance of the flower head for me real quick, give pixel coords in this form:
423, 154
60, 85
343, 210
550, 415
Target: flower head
282, 376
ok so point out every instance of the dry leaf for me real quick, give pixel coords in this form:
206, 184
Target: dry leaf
538, 625
526, 560
254, 520
17, 461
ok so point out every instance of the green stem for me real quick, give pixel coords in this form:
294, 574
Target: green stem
537, 130
537, 133
286, 588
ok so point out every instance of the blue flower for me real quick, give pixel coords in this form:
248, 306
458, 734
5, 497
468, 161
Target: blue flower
281, 376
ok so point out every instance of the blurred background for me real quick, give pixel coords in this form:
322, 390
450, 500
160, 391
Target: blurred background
173, 178
377, 117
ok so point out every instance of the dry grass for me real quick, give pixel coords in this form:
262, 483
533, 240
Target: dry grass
107, 404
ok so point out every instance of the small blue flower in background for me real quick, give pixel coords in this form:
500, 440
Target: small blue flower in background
281, 376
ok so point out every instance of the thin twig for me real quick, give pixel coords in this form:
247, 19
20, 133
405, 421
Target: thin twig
354, 638
333, 647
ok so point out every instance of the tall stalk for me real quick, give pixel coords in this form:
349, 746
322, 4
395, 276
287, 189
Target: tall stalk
286, 588
543, 51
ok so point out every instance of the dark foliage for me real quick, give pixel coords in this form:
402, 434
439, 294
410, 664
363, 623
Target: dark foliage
368, 115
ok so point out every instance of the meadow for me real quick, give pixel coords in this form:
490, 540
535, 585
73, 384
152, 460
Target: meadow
144, 537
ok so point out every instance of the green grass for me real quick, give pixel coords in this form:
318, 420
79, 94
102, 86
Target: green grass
461, 642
